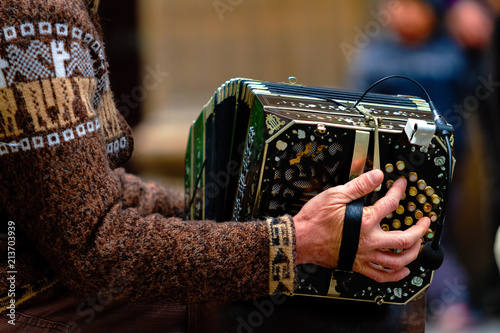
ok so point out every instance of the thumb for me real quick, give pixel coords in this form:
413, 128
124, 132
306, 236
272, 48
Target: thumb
362, 185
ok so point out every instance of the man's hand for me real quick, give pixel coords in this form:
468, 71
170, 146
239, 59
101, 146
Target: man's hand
319, 227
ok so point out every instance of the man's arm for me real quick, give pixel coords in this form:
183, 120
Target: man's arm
150, 197
102, 231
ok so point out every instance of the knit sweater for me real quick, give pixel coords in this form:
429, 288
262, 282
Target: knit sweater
72, 215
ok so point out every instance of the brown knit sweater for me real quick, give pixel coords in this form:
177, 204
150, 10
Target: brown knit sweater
78, 219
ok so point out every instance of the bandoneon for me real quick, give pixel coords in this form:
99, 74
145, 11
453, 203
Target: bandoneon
261, 149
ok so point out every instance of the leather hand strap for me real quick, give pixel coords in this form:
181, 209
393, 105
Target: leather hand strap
350, 235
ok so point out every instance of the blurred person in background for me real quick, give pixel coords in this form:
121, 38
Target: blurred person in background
472, 24
415, 45
441, 45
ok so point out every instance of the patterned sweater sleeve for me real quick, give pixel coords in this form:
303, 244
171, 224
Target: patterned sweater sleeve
150, 197
103, 231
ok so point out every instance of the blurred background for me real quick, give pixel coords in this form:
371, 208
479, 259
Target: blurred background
195, 46
167, 57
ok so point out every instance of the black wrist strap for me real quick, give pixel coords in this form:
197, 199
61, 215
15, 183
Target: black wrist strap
350, 234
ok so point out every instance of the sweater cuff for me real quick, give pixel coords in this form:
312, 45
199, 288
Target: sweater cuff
281, 255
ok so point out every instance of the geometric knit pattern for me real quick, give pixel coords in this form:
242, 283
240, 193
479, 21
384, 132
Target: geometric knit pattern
282, 264
81, 219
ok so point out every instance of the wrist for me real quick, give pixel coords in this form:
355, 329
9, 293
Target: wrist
301, 246
315, 245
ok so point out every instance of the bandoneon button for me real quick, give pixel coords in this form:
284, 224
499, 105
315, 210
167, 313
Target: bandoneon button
421, 198
413, 176
435, 199
433, 216
429, 234
408, 220
429, 191
421, 184
413, 191
427, 207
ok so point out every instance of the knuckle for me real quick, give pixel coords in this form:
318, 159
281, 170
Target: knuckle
330, 191
392, 202
367, 240
358, 187
414, 252
394, 263
404, 241
379, 277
